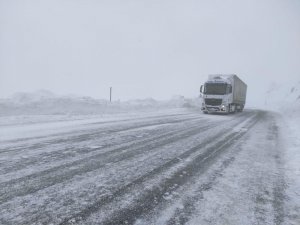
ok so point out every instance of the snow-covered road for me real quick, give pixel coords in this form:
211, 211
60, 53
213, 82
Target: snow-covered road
164, 168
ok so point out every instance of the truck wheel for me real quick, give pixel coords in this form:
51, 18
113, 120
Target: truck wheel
232, 108
235, 110
242, 108
227, 110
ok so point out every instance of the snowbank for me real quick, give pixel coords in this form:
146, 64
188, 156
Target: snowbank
285, 99
46, 103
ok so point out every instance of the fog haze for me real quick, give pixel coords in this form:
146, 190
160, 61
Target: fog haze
146, 48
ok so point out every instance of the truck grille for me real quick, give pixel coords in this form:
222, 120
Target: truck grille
213, 101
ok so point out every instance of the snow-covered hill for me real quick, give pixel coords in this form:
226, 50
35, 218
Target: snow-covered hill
284, 98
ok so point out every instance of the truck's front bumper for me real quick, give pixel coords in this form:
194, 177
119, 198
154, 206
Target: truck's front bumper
216, 109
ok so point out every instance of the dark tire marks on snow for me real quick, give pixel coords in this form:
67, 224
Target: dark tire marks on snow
37, 181
92, 133
145, 203
106, 137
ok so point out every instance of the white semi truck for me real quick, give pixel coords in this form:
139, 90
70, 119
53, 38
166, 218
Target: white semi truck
223, 94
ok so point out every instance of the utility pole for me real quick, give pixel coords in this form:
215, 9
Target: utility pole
110, 91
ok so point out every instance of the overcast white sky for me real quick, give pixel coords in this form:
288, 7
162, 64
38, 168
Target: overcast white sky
146, 48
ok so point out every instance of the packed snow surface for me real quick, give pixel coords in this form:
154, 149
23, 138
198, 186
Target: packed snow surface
147, 163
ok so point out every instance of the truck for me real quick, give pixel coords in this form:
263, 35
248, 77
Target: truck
223, 93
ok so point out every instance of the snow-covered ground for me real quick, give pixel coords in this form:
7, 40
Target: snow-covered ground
43, 102
291, 130
147, 162
18, 127
285, 99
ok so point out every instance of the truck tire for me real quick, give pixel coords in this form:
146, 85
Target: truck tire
227, 110
242, 108
232, 108
239, 108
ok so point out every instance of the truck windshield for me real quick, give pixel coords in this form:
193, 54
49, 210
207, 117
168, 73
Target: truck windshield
215, 89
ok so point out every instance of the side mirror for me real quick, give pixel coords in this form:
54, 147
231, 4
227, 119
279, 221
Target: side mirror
201, 89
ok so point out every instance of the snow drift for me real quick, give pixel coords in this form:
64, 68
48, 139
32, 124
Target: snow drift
44, 102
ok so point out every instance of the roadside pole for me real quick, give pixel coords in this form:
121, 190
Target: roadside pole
110, 92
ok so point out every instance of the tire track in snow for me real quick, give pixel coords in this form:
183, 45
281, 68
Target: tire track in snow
68, 137
146, 202
183, 214
89, 124
43, 179
156, 145
268, 189
61, 152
